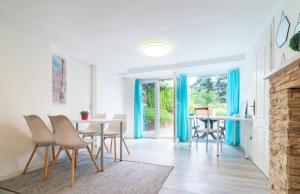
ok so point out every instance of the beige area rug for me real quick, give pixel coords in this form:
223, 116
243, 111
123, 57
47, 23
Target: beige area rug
118, 177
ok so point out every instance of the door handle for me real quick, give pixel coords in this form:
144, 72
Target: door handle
253, 107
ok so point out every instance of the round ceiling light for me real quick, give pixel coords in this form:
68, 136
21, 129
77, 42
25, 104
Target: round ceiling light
156, 49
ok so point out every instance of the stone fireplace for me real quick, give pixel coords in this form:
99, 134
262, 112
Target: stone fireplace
284, 128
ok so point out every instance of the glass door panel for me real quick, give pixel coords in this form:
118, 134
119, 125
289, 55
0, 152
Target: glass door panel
166, 90
149, 109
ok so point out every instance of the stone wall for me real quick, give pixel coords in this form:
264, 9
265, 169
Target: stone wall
285, 131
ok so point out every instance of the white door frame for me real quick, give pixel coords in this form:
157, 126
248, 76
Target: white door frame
157, 105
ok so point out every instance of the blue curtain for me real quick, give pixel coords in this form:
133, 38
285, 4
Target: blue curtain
233, 104
182, 115
138, 110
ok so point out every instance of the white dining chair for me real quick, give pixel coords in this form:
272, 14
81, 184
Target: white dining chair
207, 130
66, 137
41, 137
113, 132
93, 130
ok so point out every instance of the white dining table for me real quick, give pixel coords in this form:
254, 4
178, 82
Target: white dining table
101, 123
218, 119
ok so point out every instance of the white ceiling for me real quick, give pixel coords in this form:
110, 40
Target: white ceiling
197, 29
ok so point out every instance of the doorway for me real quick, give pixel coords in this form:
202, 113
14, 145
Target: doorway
158, 106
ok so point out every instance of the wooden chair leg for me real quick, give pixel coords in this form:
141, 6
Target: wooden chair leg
72, 170
68, 154
53, 163
111, 142
126, 146
105, 146
92, 158
98, 152
115, 149
76, 153
46, 163
30, 158
53, 152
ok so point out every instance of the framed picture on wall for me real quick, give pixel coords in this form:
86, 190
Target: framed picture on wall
59, 81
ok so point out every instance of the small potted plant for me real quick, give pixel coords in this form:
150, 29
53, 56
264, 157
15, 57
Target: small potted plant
295, 42
84, 115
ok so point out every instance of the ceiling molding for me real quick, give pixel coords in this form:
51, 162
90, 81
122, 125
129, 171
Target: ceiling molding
185, 65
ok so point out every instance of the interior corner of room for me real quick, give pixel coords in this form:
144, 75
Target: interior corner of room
183, 97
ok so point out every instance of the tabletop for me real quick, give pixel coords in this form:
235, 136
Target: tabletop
91, 121
221, 118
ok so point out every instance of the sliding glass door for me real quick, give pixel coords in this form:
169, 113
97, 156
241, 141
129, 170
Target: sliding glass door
150, 107
158, 101
166, 102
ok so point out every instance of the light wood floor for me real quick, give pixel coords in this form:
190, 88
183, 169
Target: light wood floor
195, 171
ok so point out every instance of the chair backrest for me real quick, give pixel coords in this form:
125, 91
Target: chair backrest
204, 112
100, 116
64, 131
115, 125
119, 116
39, 130
95, 126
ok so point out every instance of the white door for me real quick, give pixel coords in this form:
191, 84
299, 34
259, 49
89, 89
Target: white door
158, 92
260, 136
151, 108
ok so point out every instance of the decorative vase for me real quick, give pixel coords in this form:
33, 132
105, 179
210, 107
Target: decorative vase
84, 116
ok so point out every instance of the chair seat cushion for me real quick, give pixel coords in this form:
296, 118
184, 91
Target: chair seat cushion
85, 142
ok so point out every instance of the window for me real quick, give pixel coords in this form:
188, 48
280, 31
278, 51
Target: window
208, 91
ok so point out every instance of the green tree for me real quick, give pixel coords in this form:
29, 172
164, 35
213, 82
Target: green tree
209, 91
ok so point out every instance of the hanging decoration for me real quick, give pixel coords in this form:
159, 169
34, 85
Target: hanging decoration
282, 31
283, 60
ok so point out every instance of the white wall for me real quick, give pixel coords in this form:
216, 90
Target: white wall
26, 88
291, 10
129, 105
110, 90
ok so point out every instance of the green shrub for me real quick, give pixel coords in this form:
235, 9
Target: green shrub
295, 42
165, 116
149, 115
